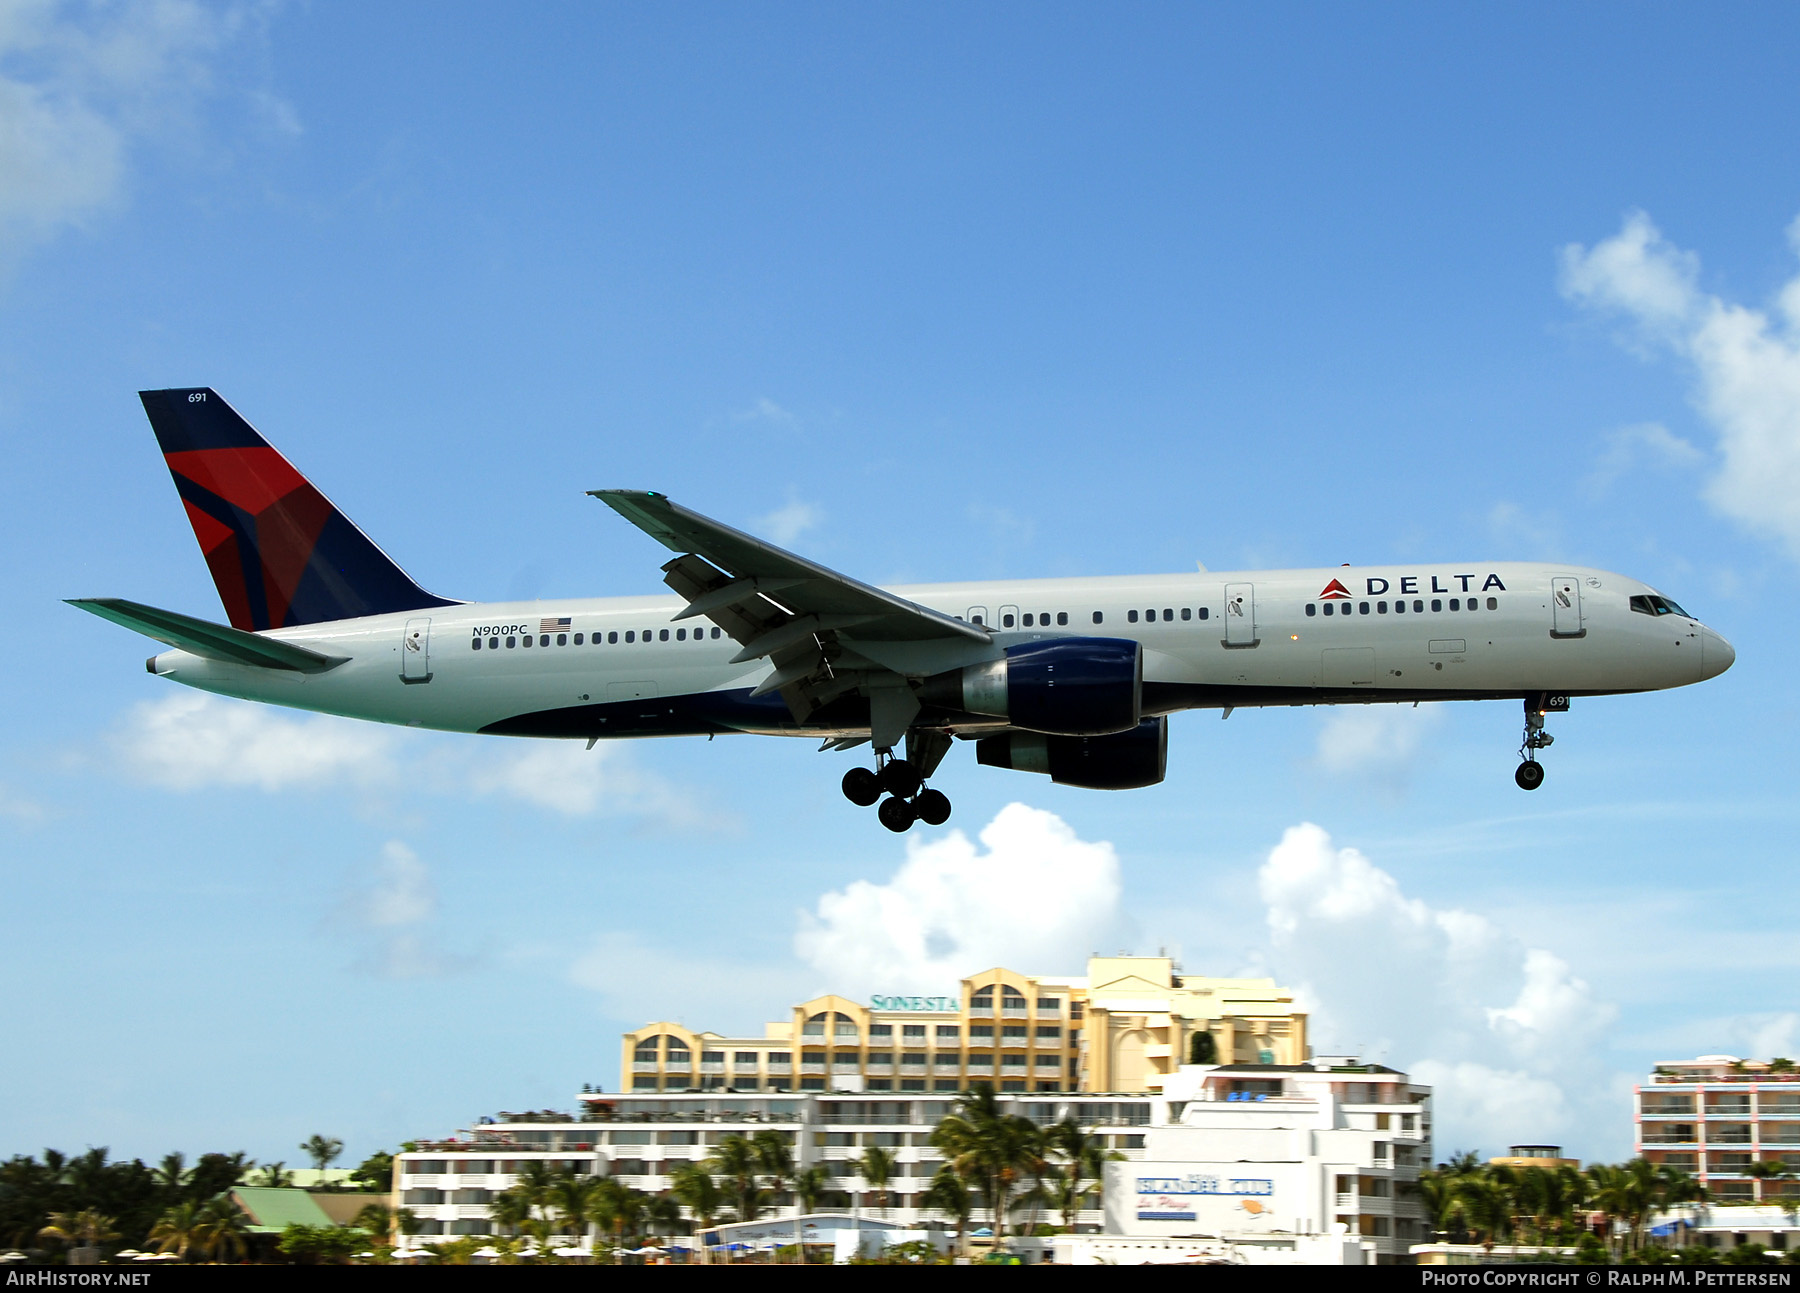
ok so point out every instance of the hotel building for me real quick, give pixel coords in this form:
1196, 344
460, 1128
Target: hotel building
1331, 1148
1716, 1115
1125, 1026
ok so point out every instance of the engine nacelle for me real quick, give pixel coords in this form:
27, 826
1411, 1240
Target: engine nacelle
1065, 687
1122, 761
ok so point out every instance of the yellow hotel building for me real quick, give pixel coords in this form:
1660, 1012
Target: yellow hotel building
1124, 1027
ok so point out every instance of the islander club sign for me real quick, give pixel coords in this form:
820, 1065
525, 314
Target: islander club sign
917, 1005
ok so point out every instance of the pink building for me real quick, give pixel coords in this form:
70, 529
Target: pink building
1716, 1115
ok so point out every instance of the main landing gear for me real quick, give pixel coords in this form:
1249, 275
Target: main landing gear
903, 782
1530, 774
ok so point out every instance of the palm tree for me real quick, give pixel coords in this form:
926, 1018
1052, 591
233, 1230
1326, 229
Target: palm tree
736, 1159
572, 1199
1083, 1158
991, 1148
174, 1230
777, 1161
273, 1176
84, 1229
378, 1220
876, 1167
694, 1188
1766, 1170
949, 1194
219, 1229
321, 1149
1487, 1204
509, 1210
172, 1175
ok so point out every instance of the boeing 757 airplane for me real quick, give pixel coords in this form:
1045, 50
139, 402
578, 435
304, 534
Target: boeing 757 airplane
1073, 678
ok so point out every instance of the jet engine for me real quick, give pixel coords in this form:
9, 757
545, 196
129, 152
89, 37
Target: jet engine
1121, 761
1065, 687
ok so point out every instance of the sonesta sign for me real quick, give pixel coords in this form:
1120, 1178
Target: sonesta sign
920, 1005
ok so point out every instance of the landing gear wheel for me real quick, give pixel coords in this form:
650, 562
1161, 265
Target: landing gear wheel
861, 787
896, 814
1530, 775
932, 807
900, 778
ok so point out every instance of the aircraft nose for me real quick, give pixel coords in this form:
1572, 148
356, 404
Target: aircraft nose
1716, 655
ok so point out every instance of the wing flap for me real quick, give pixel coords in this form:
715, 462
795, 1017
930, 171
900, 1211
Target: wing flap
204, 638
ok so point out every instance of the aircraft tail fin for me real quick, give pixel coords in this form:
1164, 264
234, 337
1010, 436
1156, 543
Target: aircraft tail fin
279, 552
203, 638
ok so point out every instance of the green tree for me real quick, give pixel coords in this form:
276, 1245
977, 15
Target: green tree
876, 1167
273, 1176
1203, 1049
1766, 1169
220, 1231
695, 1189
810, 1184
319, 1245
949, 1195
1080, 1158
84, 1229
378, 1220
174, 1230
736, 1159
990, 1148
322, 1150
375, 1173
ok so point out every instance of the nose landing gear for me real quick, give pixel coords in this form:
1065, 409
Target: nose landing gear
903, 781
1530, 774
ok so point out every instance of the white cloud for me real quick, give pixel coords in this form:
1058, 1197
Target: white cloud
1766, 1036
1746, 363
83, 84
1379, 744
638, 981
1435, 991
786, 524
1648, 444
953, 908
388, 915
192, 741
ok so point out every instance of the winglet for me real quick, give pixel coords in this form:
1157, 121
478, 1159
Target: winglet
203, 638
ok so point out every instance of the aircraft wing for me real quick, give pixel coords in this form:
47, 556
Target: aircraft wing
777, 604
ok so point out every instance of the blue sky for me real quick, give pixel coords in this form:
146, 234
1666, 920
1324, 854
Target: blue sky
928, 293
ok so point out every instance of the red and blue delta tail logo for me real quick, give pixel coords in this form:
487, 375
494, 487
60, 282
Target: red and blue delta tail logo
279, 552
1333, 591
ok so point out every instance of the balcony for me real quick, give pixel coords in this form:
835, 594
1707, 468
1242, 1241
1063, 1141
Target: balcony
643, 1066
912, 1070
813, 1069
712, 1066
780, 1068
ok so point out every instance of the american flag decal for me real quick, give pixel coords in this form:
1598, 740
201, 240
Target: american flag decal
554, 625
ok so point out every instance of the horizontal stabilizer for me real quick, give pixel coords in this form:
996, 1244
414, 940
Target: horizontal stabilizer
203, 638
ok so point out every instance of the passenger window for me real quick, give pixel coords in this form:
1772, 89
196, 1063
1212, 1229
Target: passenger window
1006, 621
1168, 615
1331, 608
1131, 617
1205, 612
527, 640
545, 640
715, 633
1436, 604
1062, 617
612, 639
1150, 616
493, 644
664, 635
476, 643
578, 639
1381, 608
1099, 617
1493, 603
681, 635
1311, 609
1028, 618
1399, 608
977, 619
509, 644
1419, 607
1187, 612
562, 639
630, 635
1362, 608
1454, 605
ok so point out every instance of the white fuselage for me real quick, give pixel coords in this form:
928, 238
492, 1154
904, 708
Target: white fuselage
629, 668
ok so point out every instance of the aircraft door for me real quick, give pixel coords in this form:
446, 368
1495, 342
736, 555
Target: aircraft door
1240, 615
415, 651
979, 615
1565, 607
1009, 617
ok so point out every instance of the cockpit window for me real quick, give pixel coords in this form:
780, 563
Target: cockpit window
1656, 604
